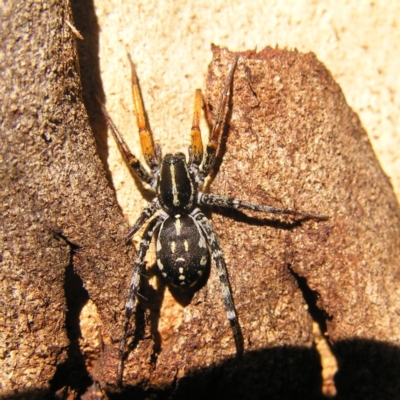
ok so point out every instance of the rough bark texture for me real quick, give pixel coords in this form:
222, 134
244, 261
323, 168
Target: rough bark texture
58, 210
292, 142
295, 142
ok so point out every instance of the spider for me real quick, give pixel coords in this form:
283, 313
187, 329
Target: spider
186, 241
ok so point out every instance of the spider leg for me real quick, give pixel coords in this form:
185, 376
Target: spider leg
213, 144
145, 215
196, 148
218, 257
146, 140
230, 202
132, 160
131, 301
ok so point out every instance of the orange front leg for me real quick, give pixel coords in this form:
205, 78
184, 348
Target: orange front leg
146, 140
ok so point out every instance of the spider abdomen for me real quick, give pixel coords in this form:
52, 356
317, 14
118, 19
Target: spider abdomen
182, 254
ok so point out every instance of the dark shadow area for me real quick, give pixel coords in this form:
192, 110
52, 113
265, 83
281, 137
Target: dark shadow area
72, 373
368, 370
31, 394
311, 298
150, 299
240, 216
85, 21
256, 375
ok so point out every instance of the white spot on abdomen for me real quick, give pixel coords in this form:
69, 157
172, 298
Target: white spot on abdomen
230, 315
178, 226
202, 242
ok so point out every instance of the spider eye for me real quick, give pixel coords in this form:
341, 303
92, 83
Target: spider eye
177, 158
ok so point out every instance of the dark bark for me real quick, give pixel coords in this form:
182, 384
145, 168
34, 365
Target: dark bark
58, 209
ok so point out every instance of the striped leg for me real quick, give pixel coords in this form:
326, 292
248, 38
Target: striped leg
132, 160
145, 215
131, 301
218, 257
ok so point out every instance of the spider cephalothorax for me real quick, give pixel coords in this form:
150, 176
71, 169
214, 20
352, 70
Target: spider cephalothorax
185, 238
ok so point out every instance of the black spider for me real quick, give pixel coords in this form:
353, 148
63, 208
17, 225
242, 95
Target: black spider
185, 235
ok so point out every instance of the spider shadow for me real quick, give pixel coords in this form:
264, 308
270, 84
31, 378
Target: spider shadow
151, 300
149, 307
368, 369
278, 223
